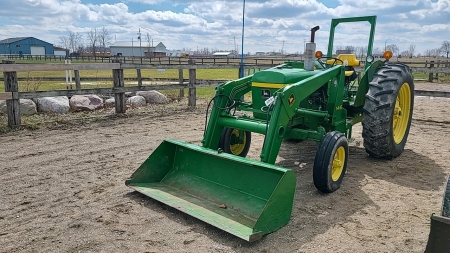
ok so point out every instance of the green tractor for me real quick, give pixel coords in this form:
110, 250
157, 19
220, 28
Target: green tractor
318, 99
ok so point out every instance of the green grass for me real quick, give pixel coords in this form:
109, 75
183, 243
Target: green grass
204, 74
34, 80
441, 78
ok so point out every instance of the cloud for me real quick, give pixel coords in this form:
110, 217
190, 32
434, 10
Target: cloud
269, 25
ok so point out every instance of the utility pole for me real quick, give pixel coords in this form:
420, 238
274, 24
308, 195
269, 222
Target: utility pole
304, 46
140, 42
241, 65
282, 49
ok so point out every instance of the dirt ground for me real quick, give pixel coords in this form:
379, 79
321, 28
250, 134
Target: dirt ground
62, 190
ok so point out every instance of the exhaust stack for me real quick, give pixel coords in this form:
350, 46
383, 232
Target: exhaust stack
310, 50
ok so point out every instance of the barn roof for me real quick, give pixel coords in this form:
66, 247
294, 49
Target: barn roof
12, 40
60, 49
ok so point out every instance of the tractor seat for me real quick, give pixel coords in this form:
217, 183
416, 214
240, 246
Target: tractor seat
349, 73
348, 60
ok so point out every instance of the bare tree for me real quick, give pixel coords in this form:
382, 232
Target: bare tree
104, 38
64, 41
436, 52
80, 48
350, 49
362, 51
405, 54
393, 48
93, 39
412, 49
338, 48
75, 41
377, 51
446, 47
149, 45
433, 52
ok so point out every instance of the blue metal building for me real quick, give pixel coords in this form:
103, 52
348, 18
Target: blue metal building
25, 46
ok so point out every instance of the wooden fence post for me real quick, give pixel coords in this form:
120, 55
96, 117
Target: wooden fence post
192, 90
77, 79
437, 74
447, 65
12, 105
180, 81
430, 75
118, 83
139, 76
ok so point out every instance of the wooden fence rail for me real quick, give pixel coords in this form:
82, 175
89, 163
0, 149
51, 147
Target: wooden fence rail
12, 95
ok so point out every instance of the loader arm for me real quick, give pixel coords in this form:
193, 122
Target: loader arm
287, 102
225, 93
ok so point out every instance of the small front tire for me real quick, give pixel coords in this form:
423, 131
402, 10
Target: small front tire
330, 163
235, 141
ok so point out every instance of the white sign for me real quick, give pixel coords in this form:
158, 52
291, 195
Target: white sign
161, 70
269, 101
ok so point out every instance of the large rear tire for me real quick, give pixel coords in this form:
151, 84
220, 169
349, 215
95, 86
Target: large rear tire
388, 110
235, 141
330, 162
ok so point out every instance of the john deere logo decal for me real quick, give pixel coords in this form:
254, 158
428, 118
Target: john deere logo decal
265, 93
291, 99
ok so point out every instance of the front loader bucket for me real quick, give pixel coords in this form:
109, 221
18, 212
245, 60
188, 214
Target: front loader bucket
244, 197
439, 238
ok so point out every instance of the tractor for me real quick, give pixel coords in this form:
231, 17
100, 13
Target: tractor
318, 99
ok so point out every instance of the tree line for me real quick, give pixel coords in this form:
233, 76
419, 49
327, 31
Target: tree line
96, 40
361, 51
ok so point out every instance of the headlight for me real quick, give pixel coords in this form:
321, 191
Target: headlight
369, 59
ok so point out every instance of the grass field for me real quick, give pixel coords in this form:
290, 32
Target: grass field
34, 80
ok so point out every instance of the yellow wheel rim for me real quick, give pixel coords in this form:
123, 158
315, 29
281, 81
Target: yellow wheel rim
237, 146
338, 164
402, 111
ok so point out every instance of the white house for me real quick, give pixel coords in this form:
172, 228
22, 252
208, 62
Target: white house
134, 48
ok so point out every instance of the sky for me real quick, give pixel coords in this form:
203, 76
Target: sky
270, 26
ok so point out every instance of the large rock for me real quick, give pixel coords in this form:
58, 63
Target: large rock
53, 104
86, 103
130, 94
27, 107
110, 102
136, 101
153, 97
3, 106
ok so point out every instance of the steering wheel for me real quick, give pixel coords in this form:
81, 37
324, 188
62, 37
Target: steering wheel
329, 58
